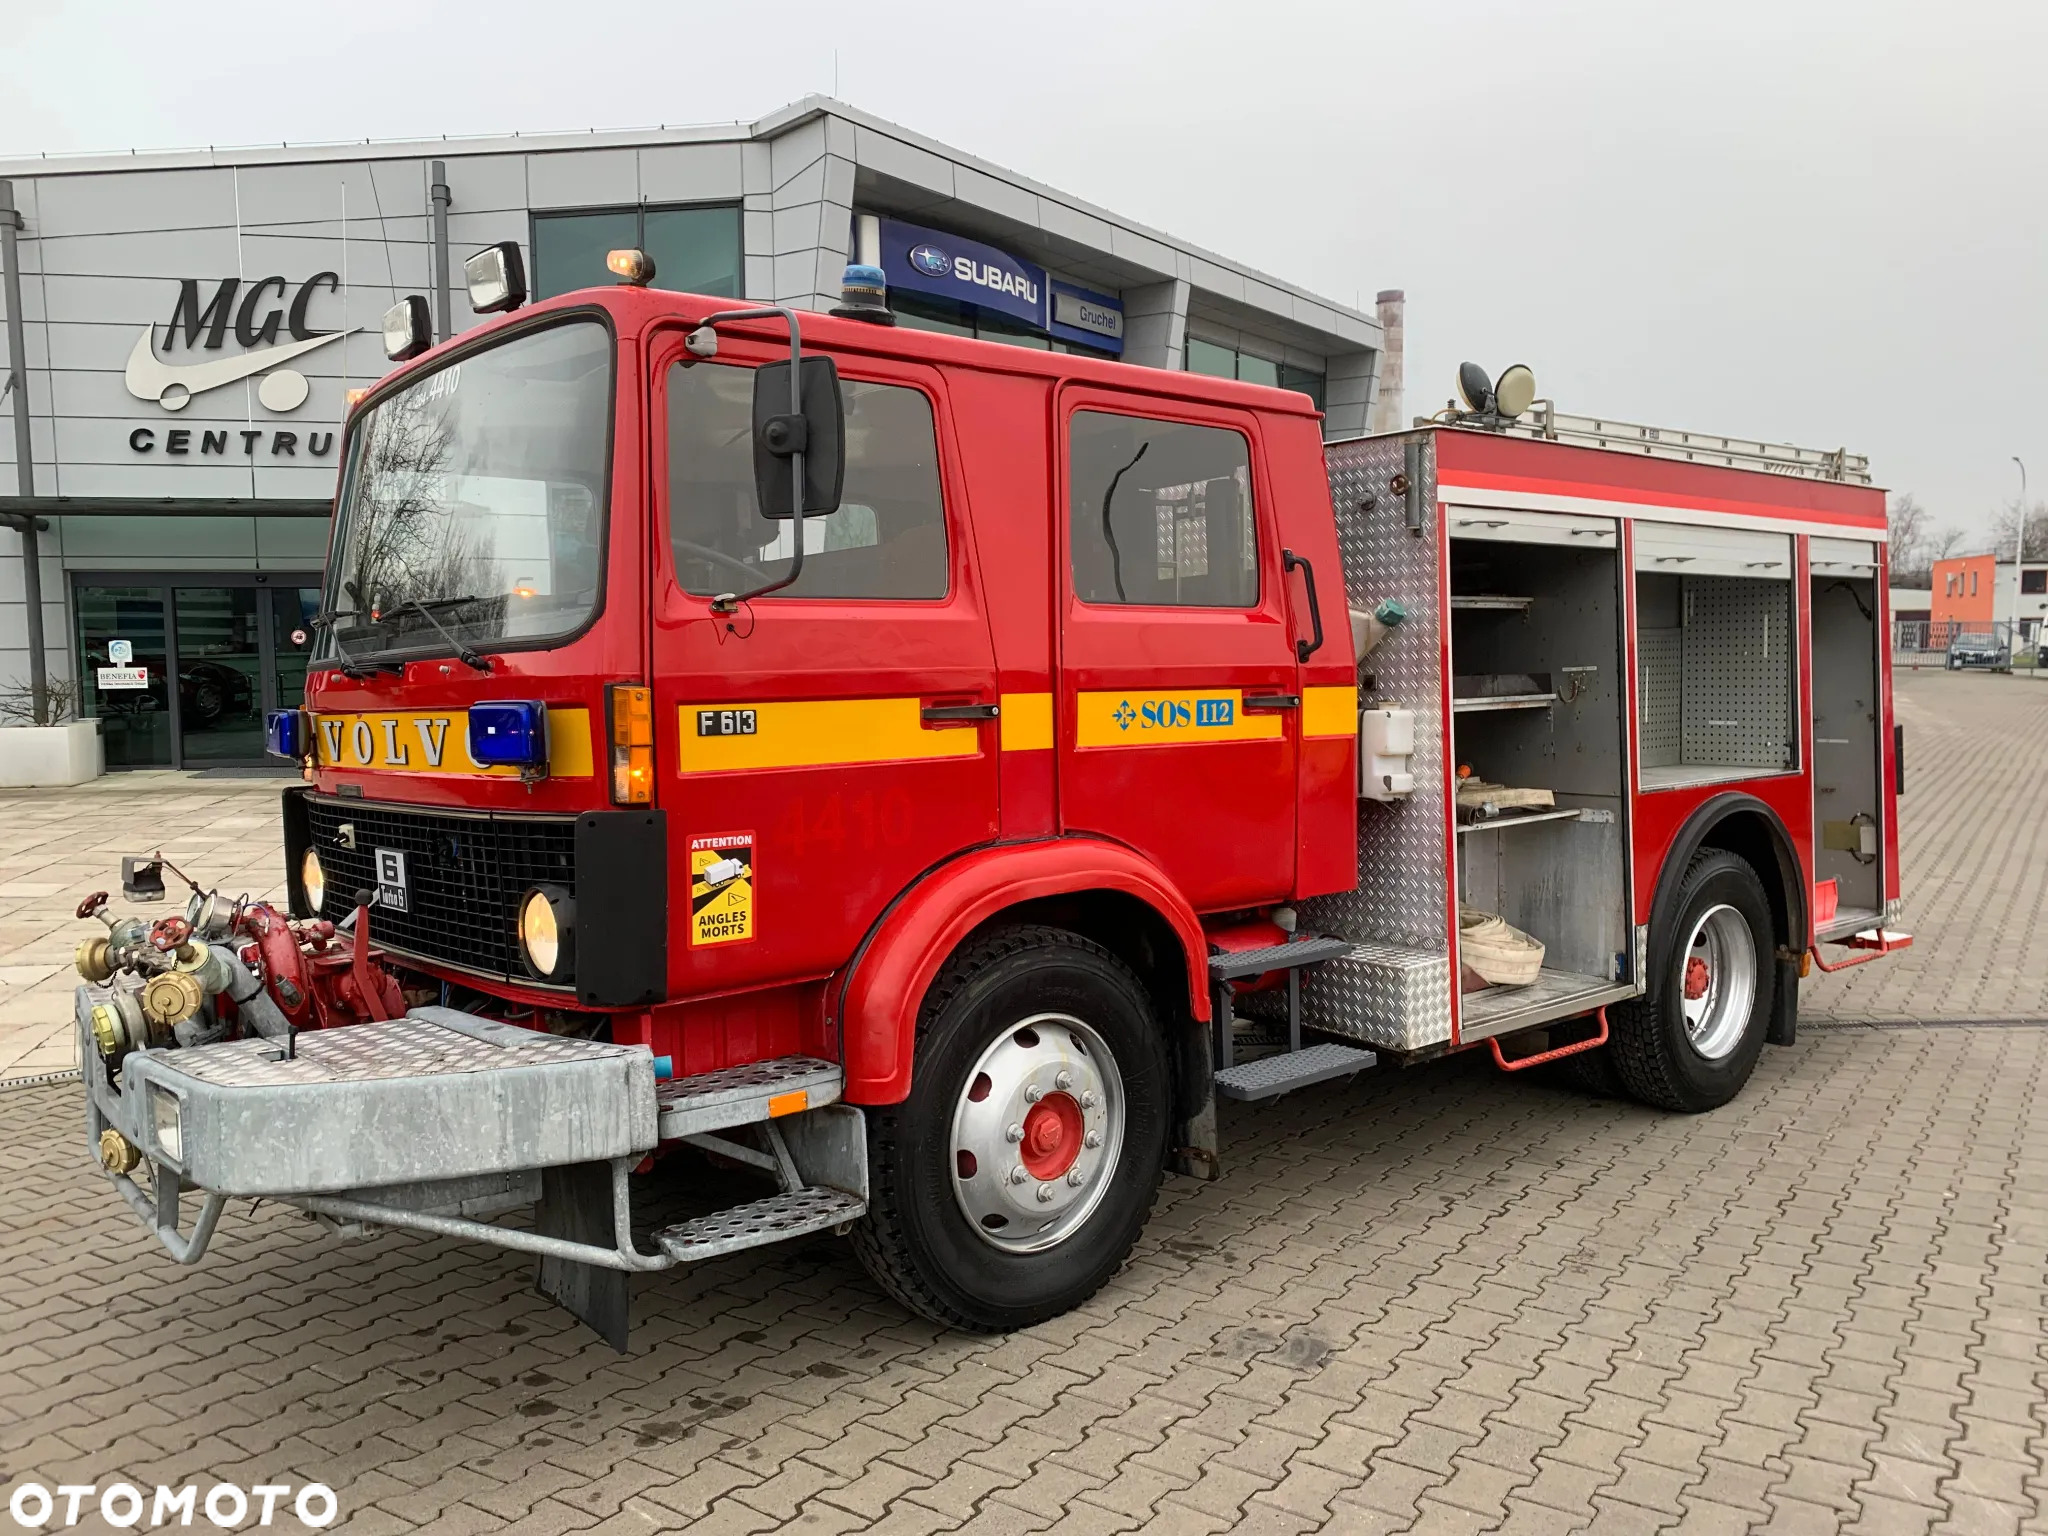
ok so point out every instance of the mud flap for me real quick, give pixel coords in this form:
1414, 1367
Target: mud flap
1197, 1151
1783, 1026
576, 1203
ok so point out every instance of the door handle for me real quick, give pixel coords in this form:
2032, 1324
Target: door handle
952, 714
1303, 649
1272, 701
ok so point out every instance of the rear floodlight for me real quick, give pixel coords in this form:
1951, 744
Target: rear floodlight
497, 278
1474, 387
633, 267
1515, 391
408, 328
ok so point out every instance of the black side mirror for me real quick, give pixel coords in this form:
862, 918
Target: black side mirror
818, 433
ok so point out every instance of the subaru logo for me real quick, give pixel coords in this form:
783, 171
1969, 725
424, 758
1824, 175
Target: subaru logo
930, 260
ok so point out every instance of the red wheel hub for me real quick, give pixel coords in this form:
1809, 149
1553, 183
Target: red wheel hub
1052, 1137
1695, 979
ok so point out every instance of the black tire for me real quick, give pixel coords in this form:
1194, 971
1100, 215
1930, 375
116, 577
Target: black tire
1593, 1072
1649, 1046
916, 1240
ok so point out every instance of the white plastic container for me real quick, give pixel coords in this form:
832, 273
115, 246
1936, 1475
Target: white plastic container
1386, 743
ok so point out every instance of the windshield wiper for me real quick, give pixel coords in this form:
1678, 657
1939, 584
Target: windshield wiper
352, 665
468, 655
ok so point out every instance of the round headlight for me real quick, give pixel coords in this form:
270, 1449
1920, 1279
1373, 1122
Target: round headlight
313, 881
545, 922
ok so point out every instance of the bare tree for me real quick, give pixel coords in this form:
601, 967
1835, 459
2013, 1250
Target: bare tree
2035, 545
1917, 540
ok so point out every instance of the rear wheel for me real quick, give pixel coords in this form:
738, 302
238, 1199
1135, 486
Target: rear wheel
1015, 1178
1696, 1046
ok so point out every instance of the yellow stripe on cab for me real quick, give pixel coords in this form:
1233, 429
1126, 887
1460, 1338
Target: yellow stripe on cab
437, 741
1329, 711
813, 733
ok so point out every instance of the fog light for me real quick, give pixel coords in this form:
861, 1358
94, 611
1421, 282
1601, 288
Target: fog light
313, 881
497, 278
547, 932
166, 1118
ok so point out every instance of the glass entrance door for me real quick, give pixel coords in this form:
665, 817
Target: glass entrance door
124, 671
206, 656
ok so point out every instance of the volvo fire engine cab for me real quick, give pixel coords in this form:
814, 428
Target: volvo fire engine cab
925, 775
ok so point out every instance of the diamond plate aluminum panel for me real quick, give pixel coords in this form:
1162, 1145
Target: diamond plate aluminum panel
408, 1047
1383, 995
1271, 1076
1398, 995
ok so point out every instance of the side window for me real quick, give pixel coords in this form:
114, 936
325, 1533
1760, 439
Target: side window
888, 538
1162, 513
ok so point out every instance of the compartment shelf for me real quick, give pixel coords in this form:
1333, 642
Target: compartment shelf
1505, 701
1514, 819
1485, 602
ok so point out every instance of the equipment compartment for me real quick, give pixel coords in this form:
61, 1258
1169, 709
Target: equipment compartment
1526, 609
1848, 833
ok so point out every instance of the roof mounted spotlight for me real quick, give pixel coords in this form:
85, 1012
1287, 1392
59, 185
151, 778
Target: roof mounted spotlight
864, 295
1475, 388
408, 328
496, 276
635, 268
1514, 391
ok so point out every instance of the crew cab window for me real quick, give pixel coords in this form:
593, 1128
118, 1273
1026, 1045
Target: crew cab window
888, 538
1161, 513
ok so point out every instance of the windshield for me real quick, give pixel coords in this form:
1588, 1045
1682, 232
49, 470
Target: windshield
477, 494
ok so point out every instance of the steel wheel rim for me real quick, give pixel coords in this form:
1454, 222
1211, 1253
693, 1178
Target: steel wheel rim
1717, 981
1036, 1133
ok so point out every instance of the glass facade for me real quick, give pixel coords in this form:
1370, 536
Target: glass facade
920, 312
1221, 362
236, 644
695, 249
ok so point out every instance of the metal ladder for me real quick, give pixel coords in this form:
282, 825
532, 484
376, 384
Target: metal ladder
1296, 1067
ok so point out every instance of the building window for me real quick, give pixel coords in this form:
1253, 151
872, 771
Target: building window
695, 250
1161, 513
923, 312
2034, 583
1221, 362
1973, 583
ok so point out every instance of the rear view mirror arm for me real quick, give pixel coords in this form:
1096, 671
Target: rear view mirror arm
728, 602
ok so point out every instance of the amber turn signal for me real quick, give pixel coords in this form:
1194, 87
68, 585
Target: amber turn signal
631, 708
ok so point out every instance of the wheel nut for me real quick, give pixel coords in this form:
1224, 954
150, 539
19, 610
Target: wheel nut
1033, 1094
1014, 1134
1093, 1139
1045, 1194
1064, 1081
1076, 1177
1088, 1100
1018, 1175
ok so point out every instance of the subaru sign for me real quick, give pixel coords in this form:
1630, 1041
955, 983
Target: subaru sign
919, 260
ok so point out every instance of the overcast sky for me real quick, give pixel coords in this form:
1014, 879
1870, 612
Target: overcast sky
1814, 221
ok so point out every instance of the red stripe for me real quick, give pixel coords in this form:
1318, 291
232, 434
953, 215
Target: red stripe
1478, 480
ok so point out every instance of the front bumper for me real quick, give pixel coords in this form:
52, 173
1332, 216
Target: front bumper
438, 1114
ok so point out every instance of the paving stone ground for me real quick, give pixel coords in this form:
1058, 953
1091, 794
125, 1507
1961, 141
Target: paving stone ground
1434, 1300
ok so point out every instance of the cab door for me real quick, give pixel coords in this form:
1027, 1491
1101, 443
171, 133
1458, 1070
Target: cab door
818, 748
1179, 693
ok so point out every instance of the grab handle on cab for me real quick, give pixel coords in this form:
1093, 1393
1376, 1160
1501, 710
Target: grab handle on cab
1303, 649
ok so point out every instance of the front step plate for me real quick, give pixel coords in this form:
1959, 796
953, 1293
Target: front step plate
757, 1224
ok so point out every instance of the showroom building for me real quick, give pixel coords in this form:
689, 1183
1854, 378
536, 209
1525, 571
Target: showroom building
189, 324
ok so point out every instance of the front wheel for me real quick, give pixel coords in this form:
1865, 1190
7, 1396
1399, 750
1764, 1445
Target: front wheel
1016, 1177
1696, 1045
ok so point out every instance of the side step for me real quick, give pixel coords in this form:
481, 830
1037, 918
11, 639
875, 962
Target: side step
1296, 1067
735, 1096
758, 1223
1272, 1076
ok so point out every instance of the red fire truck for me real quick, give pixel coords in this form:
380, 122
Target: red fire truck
928, 773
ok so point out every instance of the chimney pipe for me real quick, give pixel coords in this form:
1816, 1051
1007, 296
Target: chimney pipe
1386, 405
